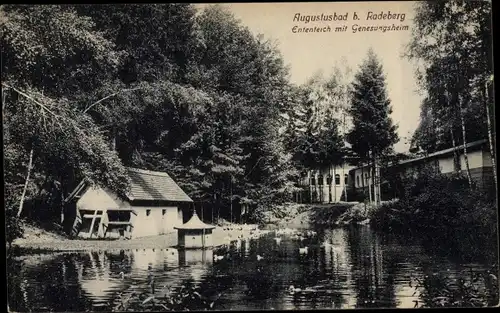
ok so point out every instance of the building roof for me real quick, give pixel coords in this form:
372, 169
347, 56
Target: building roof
145, 185
195, 224
446, 151
150, 185
473, 144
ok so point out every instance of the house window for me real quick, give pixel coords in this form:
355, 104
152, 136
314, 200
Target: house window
357, 180
329, 180
346, 179
148, 212
337, 179
320, 180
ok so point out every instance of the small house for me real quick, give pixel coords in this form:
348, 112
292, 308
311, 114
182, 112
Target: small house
153, 206
195, 233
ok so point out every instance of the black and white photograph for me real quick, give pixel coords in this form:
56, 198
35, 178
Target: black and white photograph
249, 156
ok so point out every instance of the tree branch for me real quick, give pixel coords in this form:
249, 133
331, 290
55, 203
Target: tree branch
107, 97
31, 98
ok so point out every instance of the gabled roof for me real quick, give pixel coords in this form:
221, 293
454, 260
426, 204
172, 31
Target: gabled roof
145, 185
149, 185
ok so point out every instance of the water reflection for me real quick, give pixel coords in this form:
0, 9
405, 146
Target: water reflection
342, 268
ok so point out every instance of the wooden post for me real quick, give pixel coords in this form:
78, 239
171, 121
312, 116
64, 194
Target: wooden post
92, 223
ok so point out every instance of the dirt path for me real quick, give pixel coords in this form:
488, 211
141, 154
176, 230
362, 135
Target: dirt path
40, 240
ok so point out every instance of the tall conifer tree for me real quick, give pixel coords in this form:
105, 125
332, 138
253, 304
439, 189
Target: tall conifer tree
373, 133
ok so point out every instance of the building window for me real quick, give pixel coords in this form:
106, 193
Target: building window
346, 177
148, 212
337, 179
357, 181
313, 181
320, 180
329, 180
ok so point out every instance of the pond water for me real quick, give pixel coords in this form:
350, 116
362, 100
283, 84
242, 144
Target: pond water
357, 269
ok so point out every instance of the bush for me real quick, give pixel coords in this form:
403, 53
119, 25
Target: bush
477, 289
186, 298
356, 214
443, 209
389, 216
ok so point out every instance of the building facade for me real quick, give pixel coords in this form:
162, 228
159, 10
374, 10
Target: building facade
154, 205
478, 156
325, 185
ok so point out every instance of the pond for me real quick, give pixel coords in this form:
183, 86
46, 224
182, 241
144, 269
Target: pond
357, 268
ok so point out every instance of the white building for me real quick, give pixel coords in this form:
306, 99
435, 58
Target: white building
478, 155
326, 185
153, 206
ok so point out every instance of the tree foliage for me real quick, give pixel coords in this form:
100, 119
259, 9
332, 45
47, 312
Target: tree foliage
91, 89
451, 43
373, 132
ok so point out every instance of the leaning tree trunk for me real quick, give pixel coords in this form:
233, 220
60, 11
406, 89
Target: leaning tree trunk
23, 195
464, 133
487, 98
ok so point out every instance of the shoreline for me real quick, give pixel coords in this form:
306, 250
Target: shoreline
220, 236
37, 240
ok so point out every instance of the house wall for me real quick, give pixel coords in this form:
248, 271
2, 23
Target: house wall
487, 159
152, 221
196, 238
357, 177
320, 189
475, 159
446, 164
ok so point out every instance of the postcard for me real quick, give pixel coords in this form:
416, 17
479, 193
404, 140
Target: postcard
249, 156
